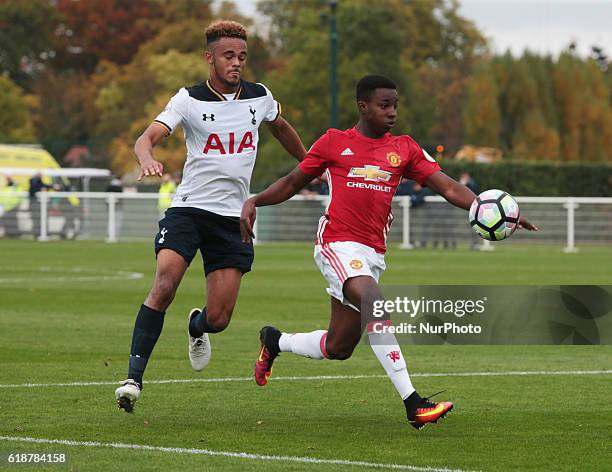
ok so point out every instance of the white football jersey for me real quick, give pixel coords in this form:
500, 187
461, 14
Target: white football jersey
222, 137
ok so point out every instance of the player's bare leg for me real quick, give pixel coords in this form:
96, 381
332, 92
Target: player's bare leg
343, 333
169, 272
222, 287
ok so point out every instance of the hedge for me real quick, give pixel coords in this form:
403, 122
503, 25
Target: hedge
538, 178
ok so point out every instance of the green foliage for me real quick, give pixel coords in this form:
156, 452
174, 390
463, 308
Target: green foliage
173, 69
16, 124
538, 177
26, 29
69, 114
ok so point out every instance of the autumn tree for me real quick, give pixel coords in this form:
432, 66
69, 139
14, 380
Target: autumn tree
111, 30
482, 117
596, 139
566, 79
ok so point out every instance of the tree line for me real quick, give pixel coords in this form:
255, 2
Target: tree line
97, 73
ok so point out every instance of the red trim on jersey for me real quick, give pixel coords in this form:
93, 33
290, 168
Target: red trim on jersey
335, 263
322, 345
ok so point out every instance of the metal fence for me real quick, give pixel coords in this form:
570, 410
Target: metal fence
564, 221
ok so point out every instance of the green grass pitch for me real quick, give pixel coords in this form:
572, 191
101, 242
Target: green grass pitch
66, 315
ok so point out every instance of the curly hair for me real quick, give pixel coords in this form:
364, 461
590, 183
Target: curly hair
224, 29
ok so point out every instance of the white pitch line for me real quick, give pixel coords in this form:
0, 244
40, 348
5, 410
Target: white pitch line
236, 455
317, 377
119, 275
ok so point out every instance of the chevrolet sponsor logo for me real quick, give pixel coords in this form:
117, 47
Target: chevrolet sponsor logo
379, 187
370, 173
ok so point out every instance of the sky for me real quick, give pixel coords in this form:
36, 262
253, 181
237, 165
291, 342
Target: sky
544, 26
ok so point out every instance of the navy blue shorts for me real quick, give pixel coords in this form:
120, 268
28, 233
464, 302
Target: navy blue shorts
185, 230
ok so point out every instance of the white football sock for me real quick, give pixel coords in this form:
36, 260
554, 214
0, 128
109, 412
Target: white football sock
304, 344
390, 356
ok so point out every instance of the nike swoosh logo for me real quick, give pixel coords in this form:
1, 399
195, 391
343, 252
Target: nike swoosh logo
437, 409
261, 353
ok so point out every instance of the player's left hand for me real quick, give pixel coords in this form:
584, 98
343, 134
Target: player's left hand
247, 220
524, 224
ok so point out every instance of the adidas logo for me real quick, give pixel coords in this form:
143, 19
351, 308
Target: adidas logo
347, 152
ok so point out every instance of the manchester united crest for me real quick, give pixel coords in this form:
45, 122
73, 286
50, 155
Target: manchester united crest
394, 159
356, 264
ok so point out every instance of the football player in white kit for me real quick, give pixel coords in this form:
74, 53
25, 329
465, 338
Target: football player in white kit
220, 119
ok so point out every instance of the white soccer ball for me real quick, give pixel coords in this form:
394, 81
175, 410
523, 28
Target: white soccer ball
494, 215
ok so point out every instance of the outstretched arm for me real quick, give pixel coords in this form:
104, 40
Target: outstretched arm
288, 137
281, 190
452, 191
459, 195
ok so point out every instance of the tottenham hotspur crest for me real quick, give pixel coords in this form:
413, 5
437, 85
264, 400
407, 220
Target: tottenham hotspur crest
163, 236
253, 121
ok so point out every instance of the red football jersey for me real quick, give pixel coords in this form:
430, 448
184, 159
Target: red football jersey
363, 174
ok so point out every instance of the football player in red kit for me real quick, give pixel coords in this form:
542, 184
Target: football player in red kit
364, 165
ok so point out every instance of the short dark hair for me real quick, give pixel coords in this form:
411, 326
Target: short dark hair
369, 83
224, 29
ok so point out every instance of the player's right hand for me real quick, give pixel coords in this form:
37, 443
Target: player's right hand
247, 219
524, 224
150, 167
